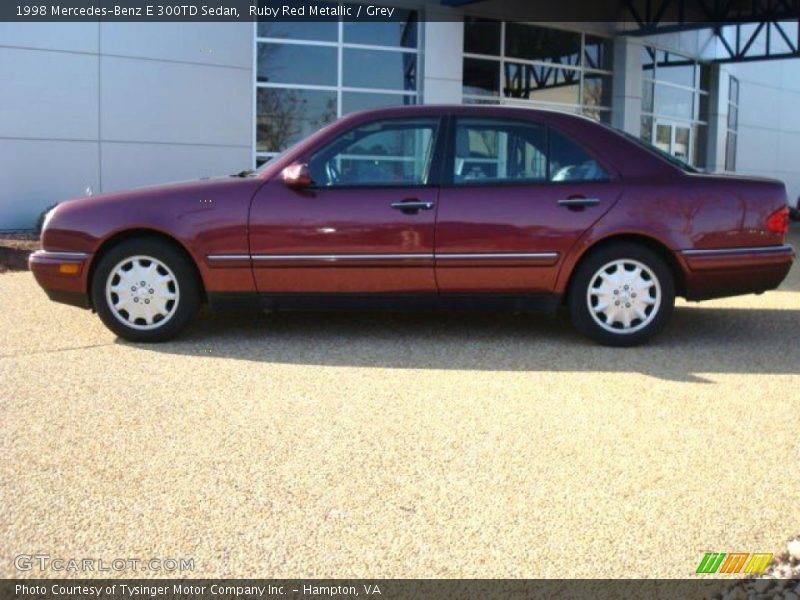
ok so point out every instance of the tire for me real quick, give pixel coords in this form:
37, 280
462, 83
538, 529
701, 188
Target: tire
156, 311
608, 312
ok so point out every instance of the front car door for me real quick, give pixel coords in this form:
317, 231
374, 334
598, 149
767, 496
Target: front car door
367, 222
517, 195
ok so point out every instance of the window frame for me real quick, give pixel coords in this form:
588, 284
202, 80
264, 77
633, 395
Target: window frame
449, 157
434, 170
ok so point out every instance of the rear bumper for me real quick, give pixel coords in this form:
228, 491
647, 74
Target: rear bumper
62, 275
718, 272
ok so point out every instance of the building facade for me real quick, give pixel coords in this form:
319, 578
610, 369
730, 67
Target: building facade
110, 106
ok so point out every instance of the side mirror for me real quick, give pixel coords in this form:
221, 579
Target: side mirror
296, 176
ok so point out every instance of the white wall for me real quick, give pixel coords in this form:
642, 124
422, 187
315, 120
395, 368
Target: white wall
769, 121
118, 105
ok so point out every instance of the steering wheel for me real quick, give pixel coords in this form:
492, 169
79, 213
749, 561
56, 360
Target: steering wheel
332, 173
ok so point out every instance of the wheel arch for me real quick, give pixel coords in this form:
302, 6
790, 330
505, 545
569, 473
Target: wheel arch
141, 232
657, 246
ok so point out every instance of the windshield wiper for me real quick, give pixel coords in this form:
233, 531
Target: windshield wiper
245, 173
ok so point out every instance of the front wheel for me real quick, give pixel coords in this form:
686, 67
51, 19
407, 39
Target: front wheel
622, 295
145, 290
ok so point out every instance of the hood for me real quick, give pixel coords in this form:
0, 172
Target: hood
216, 186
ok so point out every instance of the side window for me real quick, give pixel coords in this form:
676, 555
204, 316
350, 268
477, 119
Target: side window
390, 152
495, 150
569, 162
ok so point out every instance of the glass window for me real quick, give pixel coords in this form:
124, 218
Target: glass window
537, 65
700, 139
647, 129
705, 77
596, 89
601, 115
400, 31
733, 124
530, 42
674, 95
321, 31
481, 77
674, 102
663, 139
702, 107
482, 36
733, 116
379, 69
680, 147
356, 101
730, 151
733, 90
647, 95
330, 56
598, 53
570, 162
285, 116
488, 150
542, 83
294, 63
391, 152
676, 69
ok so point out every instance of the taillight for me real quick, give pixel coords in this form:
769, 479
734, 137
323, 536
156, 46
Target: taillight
779, 220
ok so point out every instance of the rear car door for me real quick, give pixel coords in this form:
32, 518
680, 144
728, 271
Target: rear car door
517, 195
365, 225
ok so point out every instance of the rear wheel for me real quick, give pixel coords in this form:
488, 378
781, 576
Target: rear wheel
145, 290
622, 295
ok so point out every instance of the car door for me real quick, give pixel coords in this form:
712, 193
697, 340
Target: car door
366, 224
517, 195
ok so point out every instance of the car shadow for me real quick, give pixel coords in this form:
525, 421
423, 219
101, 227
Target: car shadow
698, 341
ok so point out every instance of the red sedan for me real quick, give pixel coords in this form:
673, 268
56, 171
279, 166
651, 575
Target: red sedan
457, 206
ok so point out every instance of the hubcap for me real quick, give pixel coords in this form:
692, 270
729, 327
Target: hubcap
624, 296
142, 292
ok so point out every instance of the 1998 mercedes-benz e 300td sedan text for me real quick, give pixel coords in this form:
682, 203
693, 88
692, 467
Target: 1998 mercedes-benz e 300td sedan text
413, 206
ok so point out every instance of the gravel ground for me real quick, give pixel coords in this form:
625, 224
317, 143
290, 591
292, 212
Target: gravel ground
340, 445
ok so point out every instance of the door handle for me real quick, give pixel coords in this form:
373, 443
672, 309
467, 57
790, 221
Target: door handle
412, 205
578, 202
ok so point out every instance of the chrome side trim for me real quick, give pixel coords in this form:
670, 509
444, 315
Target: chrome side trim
338, 257
61, 255
228, 257
497, 255
747, 250
386, 257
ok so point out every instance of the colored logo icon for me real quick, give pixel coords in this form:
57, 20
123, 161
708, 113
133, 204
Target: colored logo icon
734, 562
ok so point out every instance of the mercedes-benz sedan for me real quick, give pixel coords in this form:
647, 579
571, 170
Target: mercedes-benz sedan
427, 206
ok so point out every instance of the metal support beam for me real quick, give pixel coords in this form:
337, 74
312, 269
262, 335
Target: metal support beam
745, 30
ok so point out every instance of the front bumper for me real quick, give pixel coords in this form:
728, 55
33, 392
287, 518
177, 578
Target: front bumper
62, 275
719, 272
